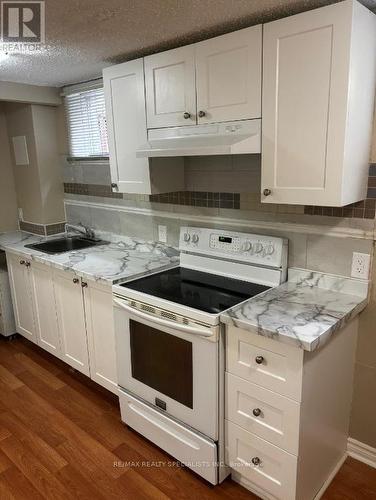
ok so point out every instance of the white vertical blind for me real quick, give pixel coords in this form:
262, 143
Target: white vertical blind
87, 127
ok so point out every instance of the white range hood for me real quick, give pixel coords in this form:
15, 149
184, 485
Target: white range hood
238, 137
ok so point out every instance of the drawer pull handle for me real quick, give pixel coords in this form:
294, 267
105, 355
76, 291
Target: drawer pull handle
256, 412
256, 461
259, 360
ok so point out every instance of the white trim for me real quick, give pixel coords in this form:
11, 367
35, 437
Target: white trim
331, 476
362, 452
339, 232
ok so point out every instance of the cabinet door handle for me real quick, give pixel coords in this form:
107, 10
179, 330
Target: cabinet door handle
267, 192
256, 461
256, 412
114, 185
84, 284
22, 262
259, 360
201, 114
186, 115
75, 281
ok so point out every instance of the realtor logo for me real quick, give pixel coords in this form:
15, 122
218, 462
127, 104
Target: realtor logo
22, 22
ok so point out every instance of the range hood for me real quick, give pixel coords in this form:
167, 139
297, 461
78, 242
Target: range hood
238, 137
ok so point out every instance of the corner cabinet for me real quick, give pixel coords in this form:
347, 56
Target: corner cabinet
124, 88
318, 91
224, 72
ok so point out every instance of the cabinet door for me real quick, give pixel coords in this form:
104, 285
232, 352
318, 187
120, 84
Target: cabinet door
171, 88
229, 76
21, 288
101, 335
71, 319
305, 88
126, 120
46, 323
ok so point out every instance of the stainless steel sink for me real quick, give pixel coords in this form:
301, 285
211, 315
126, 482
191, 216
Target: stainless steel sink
66, 244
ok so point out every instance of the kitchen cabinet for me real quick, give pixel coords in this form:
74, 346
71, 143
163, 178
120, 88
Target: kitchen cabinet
228, 72
225, 72
46, 324
101, 334
318, 91
71, 318
124, 89
22, 295
286, 435
170, 88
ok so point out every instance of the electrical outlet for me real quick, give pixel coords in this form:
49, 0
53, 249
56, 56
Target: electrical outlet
162, 234
360, 265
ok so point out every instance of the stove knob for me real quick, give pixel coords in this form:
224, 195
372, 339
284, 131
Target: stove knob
269, 250
187, 237
258, 247
195, 238
247, 246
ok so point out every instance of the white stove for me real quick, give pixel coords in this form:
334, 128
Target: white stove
170, 346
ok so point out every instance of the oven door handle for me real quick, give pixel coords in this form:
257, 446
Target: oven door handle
203, 332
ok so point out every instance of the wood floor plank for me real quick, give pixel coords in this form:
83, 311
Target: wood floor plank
15, 484
32, 468
35, 369
9, 379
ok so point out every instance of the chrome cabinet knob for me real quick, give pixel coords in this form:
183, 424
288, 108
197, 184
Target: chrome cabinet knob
114, 185
84, 284
259, 360
256, 412
267, 192
256, 461
186, 115
22, 262
75, 281
201, 114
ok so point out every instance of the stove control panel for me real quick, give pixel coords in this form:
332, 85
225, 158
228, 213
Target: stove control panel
242, 247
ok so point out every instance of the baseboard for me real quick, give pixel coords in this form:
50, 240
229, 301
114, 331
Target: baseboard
330, 478
361, 452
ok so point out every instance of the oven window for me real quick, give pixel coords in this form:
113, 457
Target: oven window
162, 361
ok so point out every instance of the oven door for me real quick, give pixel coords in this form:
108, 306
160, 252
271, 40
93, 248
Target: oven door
170, 365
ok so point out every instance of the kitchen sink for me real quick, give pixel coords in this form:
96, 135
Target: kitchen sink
66, 244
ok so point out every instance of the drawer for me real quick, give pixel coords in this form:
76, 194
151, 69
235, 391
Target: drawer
276, 472
266, 362
267, 414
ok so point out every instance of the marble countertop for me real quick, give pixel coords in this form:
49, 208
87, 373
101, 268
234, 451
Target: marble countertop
124, 258
305, 311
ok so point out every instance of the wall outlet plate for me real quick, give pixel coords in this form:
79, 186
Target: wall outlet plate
162, 234
360, 265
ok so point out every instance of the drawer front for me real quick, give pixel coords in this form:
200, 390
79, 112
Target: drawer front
276, 472
268, 415
266, 362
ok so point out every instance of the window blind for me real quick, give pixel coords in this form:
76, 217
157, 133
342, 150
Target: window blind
87, 127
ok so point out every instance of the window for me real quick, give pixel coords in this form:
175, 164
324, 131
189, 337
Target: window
86, 118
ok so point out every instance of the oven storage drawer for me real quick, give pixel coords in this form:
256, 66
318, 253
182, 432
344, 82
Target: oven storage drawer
192, 449
265, 362
277, 469
270, 416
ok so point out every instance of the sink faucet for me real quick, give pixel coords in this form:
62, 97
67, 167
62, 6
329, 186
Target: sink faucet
80, 228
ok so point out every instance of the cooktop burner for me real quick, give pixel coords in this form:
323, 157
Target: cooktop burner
204, 291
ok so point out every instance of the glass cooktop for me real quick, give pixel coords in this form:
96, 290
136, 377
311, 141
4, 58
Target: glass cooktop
204, 291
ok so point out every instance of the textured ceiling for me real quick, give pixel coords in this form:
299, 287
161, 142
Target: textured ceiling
83, 36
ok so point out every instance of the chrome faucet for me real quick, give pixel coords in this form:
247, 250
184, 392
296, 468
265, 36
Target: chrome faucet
81, 229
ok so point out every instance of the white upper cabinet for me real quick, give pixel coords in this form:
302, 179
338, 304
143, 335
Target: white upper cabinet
228, 72
170, 88
124, 88
318, 93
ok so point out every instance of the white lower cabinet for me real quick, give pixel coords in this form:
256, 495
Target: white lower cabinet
101, 335
22, 295
46, 324
65, 315
287, 412
71, 317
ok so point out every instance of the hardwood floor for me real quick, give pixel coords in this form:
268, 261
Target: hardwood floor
61, 438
